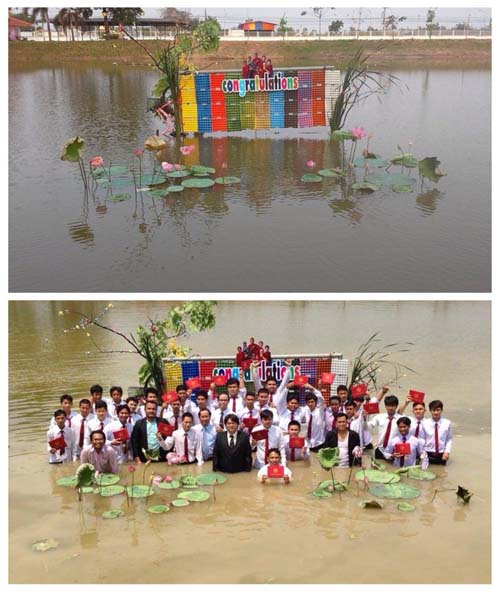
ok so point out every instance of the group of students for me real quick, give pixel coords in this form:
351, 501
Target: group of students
251, 351
257, 66
237, 429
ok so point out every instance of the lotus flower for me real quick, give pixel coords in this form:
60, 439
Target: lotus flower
173, 458
358, 133
177, 167
157, 479
186, 150
310, 163
168, 479
138, 152
425, 463
167, 167
131, 469
96, 162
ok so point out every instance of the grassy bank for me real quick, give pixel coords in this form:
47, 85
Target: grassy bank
470, 53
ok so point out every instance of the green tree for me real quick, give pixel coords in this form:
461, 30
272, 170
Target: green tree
392, 22
282, 28
335, 26
430, 24
123, 16
38, 14
72, 18
318, 13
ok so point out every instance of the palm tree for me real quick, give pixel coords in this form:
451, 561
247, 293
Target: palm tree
39, 14
69, 18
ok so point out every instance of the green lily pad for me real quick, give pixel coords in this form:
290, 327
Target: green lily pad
107, 479
373, 504
111, 490
85, 475
199, 169
227, 180
45, 545
67, 481
405, 507
389, 179
328, 457
339, 486
178, 174
140, 491
120, 197
175, 189
159, 509
394, 491
365, 186
339, 135
117, 170
113, 514
209, 479
377, 476
428, 167
200, 175
407, 160
73, 149
402, 188
328, 173
172, 485
179, 503
114, 183
420, 475
147, 179
322, 493
198, 183
372, 162
88, 489
189, 481
157, 192
311, 178
194, 496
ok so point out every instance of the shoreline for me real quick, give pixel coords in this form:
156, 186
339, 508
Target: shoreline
411, 53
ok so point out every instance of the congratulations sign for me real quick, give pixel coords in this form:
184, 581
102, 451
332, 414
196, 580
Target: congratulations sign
257, 84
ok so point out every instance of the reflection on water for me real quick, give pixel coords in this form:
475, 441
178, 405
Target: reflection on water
439, 240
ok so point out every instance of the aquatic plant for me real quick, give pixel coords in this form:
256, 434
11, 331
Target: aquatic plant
85, 476
72, 152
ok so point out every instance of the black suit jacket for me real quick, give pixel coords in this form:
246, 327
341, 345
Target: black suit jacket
139, 439
332, 441
232, 460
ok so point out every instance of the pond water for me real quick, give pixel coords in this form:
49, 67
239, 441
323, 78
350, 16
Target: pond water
451, 355
271, 232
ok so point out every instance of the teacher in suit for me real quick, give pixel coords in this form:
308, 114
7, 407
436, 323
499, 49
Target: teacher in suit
145, 434
345, 440
232, 450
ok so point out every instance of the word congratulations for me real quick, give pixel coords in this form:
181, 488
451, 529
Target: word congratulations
276, 370
258, 84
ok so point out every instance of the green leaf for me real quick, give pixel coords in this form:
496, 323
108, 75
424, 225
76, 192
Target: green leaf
311, 178
179, 503
113, 514
199, 169
428, 168
407, 160
175, 189
339, 135
85, 474
339, 486
67, 481
402, 188
140, 491
227, 180
189, 481
328, 457
328, 173
322, 493
117, 170
405, 507
372, 162
160, 88
107, 479
420, 475
172, 485
120, 197
73, 149
388, 179
210, 478
178, 174
194, 496
111, 490
365, 186
198, 183
399, 490
377, 476
159, 509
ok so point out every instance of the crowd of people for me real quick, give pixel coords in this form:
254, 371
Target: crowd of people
257, 66
251, 351
237, 429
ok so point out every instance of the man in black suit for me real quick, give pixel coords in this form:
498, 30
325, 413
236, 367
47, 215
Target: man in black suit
232, 450
342, 433
149, 425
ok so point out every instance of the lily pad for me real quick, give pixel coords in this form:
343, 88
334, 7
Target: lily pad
116, 170
45, 545
374, 504
111, 490
189, 481
140, 491
328, 173
179, 503
227, 180
365, 186
420, 475
107, 479
159, 509
120, 197
394, 491
85, 475
199, 169
339, 135
428, 167
377, 476
407, 160
405, 507
209, 479
198, 183
157, 192
147, 179
372, 162
328, 457
88, 489
339, 486
194, 496
322, 493
154, 143
73, 149
113, 514
311, 178
175, 189
178, 174
402, 188
67, 481
116, 182
200, 175
172, 485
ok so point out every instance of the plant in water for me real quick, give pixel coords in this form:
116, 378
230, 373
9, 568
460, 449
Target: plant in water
72, 152
329, 458
85, 477
131, 470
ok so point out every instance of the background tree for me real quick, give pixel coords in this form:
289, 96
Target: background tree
282, 28
318, 13
123, 16
392, 22
430, 24
335, 26
72, 18
38, 14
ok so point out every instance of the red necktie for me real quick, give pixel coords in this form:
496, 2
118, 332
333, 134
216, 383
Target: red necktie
102, 425
334, 422
292, 454
186, 450
270, 399
82, 430
402, 459
417, 431
309, 427
266, 449
250, 413
234, 404
69, 421
291, 415
436, 438
387, 433
62, 450
130, 420
176, 424
221, 420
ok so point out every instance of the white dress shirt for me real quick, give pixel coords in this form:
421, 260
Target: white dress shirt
263, 473
122, 456
112, 407
444, 435
416, 449
75, 426
298, 454
216, 417
380, 422
69, 420
281, 391
273, 410
422, 434
69, 438
275, 440
286, 418
177, 440
95, 424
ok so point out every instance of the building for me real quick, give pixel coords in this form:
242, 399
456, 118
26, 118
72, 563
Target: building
15, 26
260, 28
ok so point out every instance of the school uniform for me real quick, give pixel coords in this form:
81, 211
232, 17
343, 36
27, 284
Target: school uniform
273, 410
294, 454
103, 462
438, 439
207, 434
315, 423
186, 442
281, 391
218, 417
65, 455
263, 473
409, 460
123, 452
275, 439
359, 426
232, 453
95, 424
144, 437
287, 416
417, 428
133, 418
346, 446
69, 420
236, 404
330, 420
387, 429
79, 427
174, 420
113, 407
213, 402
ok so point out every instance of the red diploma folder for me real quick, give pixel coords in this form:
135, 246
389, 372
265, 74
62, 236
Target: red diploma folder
245, 365
296, 442
250, 422
169, 397
193, 383
327, 377
219, 380
416, 396
371, 408
300, 379
121, 434
358, 390
259, 434
403, 448
58, 443
166, 429
276, 471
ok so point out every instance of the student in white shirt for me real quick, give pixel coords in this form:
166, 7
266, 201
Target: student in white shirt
79, 426
66, 402
202, 402
96, 391
150, 394
65, 454
314, 418
290, 412
222, 411
263, 403
121, 447
173, 414
274, 440
416, 446
184, 394
417, 428
115, 400
133, 405
274, 457
294, 454
236, 390
275, 392
385, 424
438, 435
331, 414
187, 441
248, 412
99, 422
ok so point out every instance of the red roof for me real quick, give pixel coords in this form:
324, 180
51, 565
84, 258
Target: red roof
15, 22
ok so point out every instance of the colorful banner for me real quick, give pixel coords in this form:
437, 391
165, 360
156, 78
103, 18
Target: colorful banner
215, 101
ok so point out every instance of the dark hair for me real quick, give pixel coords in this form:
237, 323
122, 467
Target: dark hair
294, 422
150, 389
85, 402
155, 403
233, 381
95, 388
224, 393
350, 403
269, 378
202, 393
187, 414
135, 399
101, 405
341, 414
66, 398
251, 393
262, 390
311, 397
391, 400
405, 420
97, 432
342, 387
417, 403
121, 408
291, 397
59, 412
335, 398
272, 450
231, 416
266, 414
181, 387
206, 409
116, 388
437, 404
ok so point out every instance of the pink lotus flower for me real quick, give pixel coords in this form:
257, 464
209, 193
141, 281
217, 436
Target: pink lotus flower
131, 469
310, 163
358, 132
186, 150
167, 167
173, 458
168, 479
157, 479
177, 167
97, 161
138, 152
224, 165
